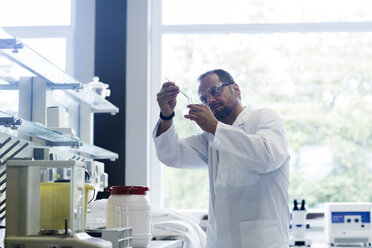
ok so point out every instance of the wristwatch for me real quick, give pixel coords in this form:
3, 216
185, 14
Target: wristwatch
167, 118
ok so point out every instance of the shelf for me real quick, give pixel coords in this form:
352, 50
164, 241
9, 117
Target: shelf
26, 57
20, 54
13, 126
17, 60
10, 124
96, 102
96, 152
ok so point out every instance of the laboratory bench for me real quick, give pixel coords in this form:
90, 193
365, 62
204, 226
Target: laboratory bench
166, 244
178, 244
324, 245
319, 241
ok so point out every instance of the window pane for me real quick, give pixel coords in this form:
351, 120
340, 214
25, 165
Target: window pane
35, 12
53, 49
9, 101
320, 84
268, 11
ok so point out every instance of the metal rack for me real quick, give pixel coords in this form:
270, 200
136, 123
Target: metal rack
24, 56
31, 129
36, 80
51, 78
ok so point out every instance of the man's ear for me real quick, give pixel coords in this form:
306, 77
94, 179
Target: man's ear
236, 90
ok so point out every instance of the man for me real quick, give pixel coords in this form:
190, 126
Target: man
246, 152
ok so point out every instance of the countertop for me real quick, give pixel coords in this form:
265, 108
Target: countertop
178, 244
325, 245
166, 244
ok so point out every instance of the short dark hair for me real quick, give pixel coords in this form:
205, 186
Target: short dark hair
222, 75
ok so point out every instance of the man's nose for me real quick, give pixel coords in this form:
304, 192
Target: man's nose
210, 99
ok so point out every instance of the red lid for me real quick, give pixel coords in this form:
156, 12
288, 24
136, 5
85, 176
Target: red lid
127, 190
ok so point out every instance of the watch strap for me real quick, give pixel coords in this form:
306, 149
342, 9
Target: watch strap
166, 118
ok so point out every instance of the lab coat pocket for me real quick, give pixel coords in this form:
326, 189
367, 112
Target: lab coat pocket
232, 172
240, 176
260, 234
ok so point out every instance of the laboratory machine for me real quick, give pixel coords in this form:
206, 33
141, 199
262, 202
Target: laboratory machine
348, 223
299, 226
51, 218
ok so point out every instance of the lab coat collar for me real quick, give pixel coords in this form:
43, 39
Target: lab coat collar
243, 116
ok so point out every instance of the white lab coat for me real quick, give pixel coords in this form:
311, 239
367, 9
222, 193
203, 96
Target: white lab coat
248, 176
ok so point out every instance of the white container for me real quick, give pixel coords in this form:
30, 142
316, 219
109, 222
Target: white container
128, 206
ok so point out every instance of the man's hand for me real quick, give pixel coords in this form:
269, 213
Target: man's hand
167, 98
167, 102
203, 116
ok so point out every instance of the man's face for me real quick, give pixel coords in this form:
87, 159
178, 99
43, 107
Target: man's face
220, 99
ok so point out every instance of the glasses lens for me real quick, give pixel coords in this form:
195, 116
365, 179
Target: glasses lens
214, 91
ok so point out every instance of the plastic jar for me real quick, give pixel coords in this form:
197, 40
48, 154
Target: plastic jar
128, 206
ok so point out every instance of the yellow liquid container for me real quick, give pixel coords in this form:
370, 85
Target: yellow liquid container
55, 204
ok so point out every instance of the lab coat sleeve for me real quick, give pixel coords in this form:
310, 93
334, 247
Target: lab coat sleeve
191, 152
263, 150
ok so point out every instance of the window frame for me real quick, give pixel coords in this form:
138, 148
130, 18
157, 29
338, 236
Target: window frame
152, 175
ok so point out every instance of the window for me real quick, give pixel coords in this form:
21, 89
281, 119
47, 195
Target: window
35, 13
28, 21
308, 60
180, 12
62, 31
54, 49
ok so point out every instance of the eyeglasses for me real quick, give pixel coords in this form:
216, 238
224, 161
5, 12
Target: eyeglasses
213, 92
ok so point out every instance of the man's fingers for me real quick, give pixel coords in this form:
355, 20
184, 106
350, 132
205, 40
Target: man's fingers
167, 92
168, 84
198, 108
169, 89
166, 96
195, 105
190, 117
